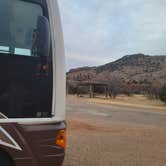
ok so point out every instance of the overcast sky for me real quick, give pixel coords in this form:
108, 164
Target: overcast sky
100, 31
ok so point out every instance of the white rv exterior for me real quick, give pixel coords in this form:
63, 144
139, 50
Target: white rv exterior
59, 77
32, 94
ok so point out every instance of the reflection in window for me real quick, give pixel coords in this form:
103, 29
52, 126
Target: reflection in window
18, 22
21, 51
4, 49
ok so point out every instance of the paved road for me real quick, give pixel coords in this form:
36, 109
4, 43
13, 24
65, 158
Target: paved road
119, 113
109, 135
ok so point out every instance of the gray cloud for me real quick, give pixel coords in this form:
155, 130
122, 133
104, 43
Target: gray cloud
97, 32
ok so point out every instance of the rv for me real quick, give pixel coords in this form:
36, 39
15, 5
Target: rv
32, 84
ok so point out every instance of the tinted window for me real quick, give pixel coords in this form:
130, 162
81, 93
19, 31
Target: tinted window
18, 23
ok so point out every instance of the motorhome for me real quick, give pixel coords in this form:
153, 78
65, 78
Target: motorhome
32, 84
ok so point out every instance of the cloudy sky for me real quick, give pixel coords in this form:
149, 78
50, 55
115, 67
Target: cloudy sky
100, 31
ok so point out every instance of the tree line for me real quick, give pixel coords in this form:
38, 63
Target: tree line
117, 86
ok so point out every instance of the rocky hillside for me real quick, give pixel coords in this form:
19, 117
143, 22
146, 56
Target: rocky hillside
138, 69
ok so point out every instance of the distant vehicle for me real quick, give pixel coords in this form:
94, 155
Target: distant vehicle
32, 84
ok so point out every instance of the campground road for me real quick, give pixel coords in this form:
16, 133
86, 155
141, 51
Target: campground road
109, 135
118, 113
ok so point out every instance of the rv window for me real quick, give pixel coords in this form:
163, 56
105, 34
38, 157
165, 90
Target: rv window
26, 81
18, 23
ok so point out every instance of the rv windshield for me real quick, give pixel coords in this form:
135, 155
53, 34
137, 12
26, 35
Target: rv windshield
18, 22
26, 81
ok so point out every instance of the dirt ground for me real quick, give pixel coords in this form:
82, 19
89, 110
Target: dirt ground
106, 135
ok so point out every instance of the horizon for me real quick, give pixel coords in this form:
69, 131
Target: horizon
80, 67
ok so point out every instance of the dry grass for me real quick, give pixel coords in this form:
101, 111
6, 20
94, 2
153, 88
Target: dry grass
136, 101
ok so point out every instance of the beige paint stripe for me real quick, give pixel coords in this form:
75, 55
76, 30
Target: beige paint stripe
13, 144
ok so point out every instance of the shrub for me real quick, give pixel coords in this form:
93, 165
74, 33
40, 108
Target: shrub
162, 94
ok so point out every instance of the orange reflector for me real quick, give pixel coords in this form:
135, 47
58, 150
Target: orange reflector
61, 139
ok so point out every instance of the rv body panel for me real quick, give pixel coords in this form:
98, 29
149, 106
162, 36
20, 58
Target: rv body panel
27, 140
34, 145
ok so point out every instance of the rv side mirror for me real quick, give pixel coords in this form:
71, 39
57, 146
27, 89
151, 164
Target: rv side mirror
43, 40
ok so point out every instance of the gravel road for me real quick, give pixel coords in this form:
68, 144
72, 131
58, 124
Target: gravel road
106, 135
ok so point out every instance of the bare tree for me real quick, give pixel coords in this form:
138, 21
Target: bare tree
116, 86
